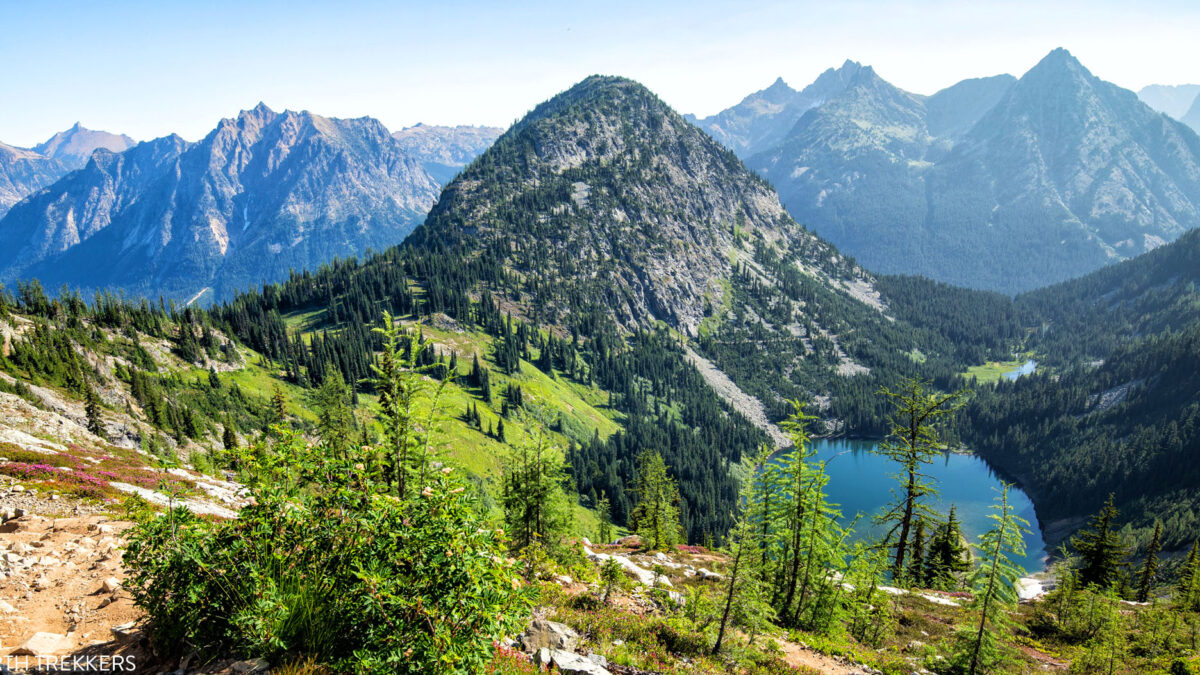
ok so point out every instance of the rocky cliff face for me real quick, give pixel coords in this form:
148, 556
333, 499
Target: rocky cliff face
263, 193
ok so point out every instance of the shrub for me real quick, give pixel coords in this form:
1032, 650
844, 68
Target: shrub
326, 562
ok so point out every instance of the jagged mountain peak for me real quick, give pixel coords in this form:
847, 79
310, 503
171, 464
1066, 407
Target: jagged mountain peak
262, 193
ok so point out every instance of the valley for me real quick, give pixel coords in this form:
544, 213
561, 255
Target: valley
844, 379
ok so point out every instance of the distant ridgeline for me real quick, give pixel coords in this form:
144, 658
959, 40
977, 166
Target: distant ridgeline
998, 183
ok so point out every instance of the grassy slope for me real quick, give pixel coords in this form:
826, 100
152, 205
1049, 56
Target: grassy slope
583, 410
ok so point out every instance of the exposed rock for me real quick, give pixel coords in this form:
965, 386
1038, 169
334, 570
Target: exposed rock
43, 644
548, 634
250, 666
570, 663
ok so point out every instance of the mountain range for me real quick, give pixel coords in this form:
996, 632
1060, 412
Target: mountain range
1171, 99
997, 183
260, 195
25, 171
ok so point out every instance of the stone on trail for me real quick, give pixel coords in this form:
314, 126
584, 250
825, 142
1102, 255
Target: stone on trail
43, 644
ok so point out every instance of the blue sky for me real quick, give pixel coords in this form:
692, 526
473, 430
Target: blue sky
152, 68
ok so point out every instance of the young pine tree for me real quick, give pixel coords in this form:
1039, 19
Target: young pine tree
1100, 549
981, 646
535, 505
604, 515
656, 516
947, 558
91, 407
335, 412
1187, 591
745, 586
1149, 573
912, 442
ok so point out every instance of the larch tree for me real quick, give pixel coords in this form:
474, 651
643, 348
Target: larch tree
656, 516
912, 442
981, 645
1149, 573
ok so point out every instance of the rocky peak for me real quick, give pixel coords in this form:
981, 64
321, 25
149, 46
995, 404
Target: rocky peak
625, 205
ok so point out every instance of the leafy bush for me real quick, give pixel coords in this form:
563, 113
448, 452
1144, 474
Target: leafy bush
326, 562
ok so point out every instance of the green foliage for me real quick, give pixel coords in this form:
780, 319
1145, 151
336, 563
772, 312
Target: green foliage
656, 516
912, 442
1100, 549
983, 647
328, 560
536, 508
334, 407
1149, 573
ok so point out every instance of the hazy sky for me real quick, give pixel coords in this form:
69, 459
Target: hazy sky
149, 69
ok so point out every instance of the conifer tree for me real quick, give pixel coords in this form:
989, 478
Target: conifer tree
981, 646
535, 505
916, 565
745, 584
1100, 549
228, 437
947, 557
1149, 573
604, 515
91, 408
335, 413
656, 516
1187, 593
278, 406
912, 442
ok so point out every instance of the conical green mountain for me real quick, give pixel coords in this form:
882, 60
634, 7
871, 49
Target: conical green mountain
604, 199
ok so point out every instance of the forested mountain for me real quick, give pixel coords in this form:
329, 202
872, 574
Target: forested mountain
990, 183
1171, 99
952, 112
589, 243
443, 151
261, 194
764, 118
1118, 409
75, 146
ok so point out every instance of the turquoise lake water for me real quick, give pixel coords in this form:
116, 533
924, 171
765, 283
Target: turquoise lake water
859, 482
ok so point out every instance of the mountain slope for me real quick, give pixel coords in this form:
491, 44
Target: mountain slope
1062, 175
605, 196
1173, 100
952, 112
605, 241
763, 119
1118, 410
1192, 116
443, 151
853, 164
261, 194
74, 146
23, 172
